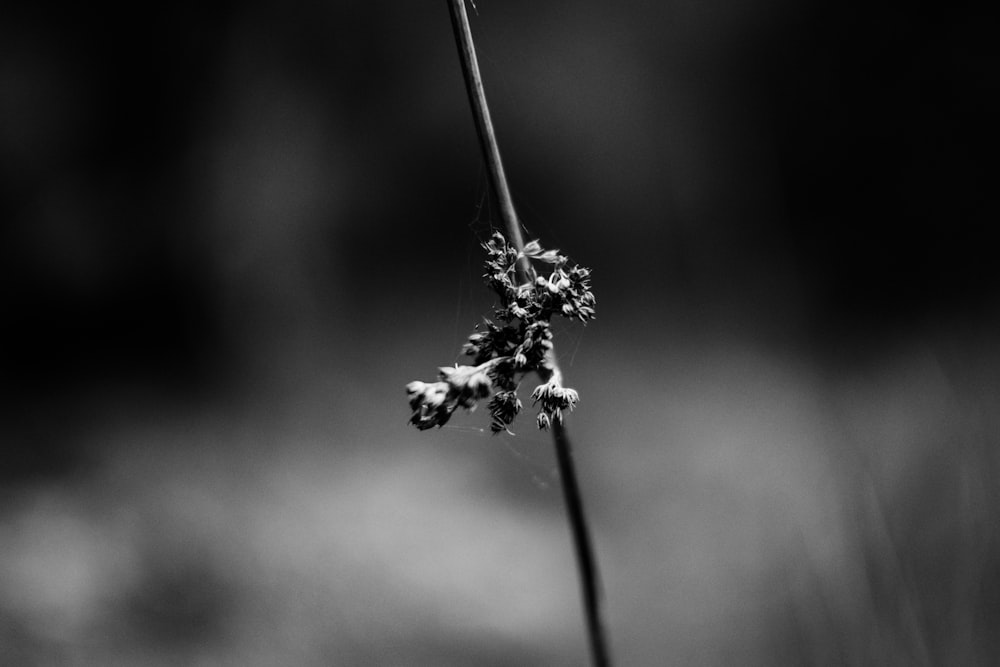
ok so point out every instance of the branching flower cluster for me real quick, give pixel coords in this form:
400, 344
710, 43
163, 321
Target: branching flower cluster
519, 342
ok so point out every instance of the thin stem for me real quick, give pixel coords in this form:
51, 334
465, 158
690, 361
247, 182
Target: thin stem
484, 128
589, 578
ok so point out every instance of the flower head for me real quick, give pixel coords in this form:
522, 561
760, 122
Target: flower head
467, 384
504, 407
554, 399
430, 404
520, 343
460, 386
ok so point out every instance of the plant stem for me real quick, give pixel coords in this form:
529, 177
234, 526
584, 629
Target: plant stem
586, 562
589, 577
484, 128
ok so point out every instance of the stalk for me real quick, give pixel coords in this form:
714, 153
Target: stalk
582, 544
484, 128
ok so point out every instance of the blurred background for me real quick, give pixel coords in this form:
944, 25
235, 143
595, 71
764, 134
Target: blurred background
233, 233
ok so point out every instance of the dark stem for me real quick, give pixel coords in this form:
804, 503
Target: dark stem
589, 578
484, 128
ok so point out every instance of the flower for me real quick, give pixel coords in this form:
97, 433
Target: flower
533, 249
430, 404
519, 344
554, 398
543, 421
504, 407
467, 384
462, 386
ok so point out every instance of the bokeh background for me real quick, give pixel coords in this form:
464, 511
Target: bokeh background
233, 232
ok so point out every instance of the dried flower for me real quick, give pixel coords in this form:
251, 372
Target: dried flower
543, 421
430, 404
521, 344
504, 407
467, 384
554, 398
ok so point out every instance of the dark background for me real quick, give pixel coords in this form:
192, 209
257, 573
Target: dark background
232, 234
